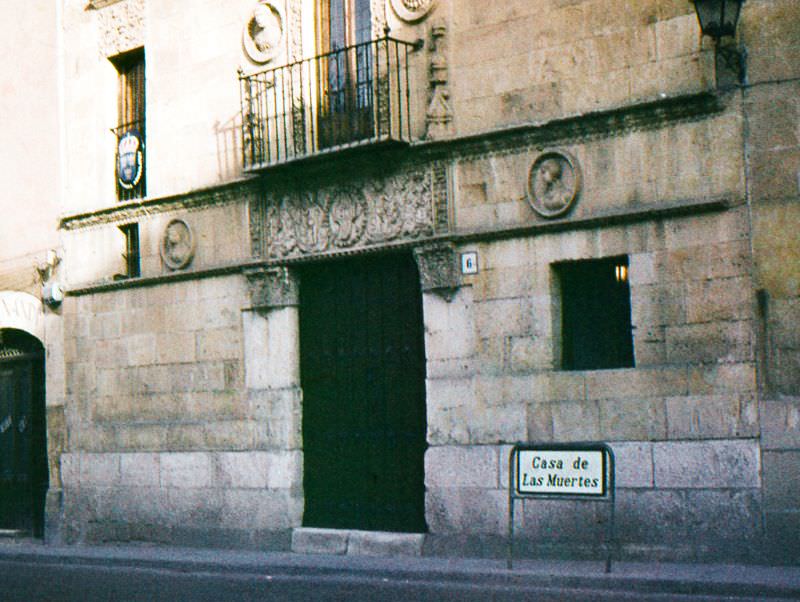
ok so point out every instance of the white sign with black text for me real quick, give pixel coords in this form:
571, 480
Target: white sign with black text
560, 472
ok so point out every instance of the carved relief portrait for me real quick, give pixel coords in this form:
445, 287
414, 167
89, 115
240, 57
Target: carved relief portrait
554, 182
263, 33
177, 245
412, 10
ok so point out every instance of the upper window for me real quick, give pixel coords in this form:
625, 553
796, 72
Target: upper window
130, 130
595, 314
345, 30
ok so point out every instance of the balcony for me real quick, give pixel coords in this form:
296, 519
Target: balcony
348, 98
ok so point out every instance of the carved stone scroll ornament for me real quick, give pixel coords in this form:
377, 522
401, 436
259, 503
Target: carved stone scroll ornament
412, 10
272, 288
263, 33
439, 114
554, 183
346, 217
438, 269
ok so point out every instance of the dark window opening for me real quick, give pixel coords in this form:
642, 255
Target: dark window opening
595, 314
345, 28
130, 129
131, 255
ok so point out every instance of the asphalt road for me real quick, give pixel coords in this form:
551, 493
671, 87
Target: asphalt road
22, 581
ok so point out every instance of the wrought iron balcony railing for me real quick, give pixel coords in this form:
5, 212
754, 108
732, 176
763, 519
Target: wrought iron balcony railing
348, 97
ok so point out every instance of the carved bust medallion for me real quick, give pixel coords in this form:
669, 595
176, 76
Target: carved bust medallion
263, 33
177, 245
412, 10
554, 182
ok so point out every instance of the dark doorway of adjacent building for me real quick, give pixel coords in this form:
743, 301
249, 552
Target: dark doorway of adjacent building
362, 366
23, 450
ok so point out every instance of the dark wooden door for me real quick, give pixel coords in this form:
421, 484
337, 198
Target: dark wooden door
22, 456
363, 379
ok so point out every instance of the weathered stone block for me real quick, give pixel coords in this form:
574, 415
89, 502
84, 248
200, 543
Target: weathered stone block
461, 466
781, 528
635, 382
554, 521
559, 386
186, 470
218, 344
504, 317
780, 423
194, 507
175, 347
240, 470
466, 510
137, 437
309, 540
712, 416
633, 464
632, 419
782, 480
98, 470
576, 421
707, 464
371, 543
450, 393
140, 470
271, 349
721, 299
285, 470
724, 342
259, 509
702, 517
540, 421
722, 378
70, 470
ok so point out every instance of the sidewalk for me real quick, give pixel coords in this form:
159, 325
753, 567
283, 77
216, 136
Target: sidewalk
761, 582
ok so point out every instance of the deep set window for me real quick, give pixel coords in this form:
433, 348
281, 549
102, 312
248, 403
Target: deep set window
132, 254
130, 129
595, 314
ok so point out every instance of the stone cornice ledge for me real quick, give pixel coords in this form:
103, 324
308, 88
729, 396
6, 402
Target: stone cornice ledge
127, 211
607, 217
607, 122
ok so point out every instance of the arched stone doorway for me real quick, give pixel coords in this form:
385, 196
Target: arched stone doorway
23, 436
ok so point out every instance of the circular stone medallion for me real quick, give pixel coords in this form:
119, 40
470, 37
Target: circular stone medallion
177, 245
263, 33
554, 182
412, 10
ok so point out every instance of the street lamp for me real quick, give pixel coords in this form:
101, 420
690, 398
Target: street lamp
718, 19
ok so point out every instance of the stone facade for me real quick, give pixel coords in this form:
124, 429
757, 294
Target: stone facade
180, 416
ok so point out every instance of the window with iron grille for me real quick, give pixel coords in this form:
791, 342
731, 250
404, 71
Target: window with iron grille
130, 130
595, 308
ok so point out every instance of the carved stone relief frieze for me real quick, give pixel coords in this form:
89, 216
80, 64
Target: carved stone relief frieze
272, 288
439, 114
374, 212
121, 27
438, 269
